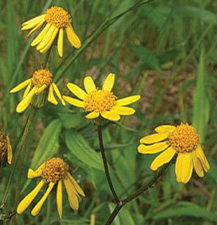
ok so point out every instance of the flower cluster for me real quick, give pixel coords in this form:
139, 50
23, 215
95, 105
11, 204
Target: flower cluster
5, 147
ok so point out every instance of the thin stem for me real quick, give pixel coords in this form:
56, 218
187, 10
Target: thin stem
19, 153
121, 203
102, 149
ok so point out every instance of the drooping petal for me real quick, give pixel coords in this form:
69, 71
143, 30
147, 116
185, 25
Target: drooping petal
92, 115
41, 35
9, 151
35, 28
178, 167
37, 208
109, 82
89, 84
58, 93
39, 90
21, 86
127, 100
51, 97
163, 158
75, 184
27, 89
151, 149
36, 173
47, 37
26, 101
74, 102
77, 91
29, 198
59, 199
71, 192
110, 115
153, 138
33, 22
122, 110
202, 157
60, 42
197, 165
187, 168
72, 37
165, 128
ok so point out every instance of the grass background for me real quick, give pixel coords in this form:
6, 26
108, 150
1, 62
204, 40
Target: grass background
166, 52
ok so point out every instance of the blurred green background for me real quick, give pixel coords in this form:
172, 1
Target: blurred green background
166, 51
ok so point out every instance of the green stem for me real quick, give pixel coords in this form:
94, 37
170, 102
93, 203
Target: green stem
121, 203
99, 129
19, 153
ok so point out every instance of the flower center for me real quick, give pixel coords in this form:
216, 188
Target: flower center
184, 139
57, 17
41, 77
3, 141
55, 169
99, 101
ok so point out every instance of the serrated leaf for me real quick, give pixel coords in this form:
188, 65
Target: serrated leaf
79, 148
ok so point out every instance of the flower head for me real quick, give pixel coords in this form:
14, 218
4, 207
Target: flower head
182, 141
41, 81
101, 102
56, 20
5, 146
53, 171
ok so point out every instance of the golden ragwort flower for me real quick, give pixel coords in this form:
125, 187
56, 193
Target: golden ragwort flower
40, 81
56, 19
100, 102
53, 171
5, 146
182, 140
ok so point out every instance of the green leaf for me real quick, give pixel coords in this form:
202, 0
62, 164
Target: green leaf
79, 148
48, 144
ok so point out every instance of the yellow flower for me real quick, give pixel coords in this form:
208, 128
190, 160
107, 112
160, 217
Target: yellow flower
40, 81
101, 102
182, 140
5, 146
56, 19
53, 171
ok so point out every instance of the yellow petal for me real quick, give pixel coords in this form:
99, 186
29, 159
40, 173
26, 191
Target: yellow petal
9, 150
178, 167
41, 36
197, 165
47, 37
59, 199
153, 138
163, 158
122, 110
151, 149
58, 93
51, 97
75, 184
29, 198
33, 22
127, 100
26, 101
110, 115
72, 37
71, 192
74, 102
37, 208
37, 173
20, 86
187, 168
89, 84
202, 157
60, 42
165, 128
77, 91
35, 28
39, 90
92, 115
109, 82
27, 89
